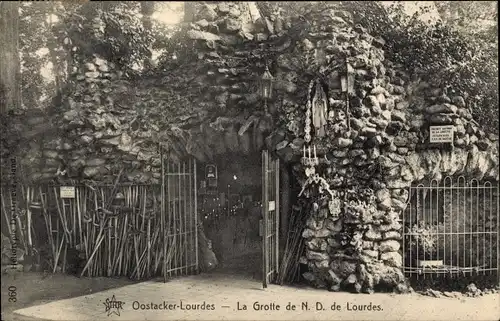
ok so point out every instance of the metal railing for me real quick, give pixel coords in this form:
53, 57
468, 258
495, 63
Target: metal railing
181, 219
125, 229
452, 228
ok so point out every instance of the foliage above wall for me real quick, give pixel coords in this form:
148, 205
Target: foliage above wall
464, 60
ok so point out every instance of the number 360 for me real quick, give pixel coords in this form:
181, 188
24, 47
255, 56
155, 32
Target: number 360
12, 294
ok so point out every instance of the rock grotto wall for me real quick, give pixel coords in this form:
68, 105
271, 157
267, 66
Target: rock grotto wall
206, 103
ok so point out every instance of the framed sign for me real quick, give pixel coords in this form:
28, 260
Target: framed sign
211, 175
211, 171
67, 192
441, 134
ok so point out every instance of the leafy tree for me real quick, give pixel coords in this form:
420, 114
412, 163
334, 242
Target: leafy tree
468, 16
147, 9
9, 59
449, 54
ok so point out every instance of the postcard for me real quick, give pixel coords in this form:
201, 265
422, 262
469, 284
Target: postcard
210, 160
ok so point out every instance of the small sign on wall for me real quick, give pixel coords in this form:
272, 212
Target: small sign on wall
272, 205
67, 192
210, 171
441, 134
211, 175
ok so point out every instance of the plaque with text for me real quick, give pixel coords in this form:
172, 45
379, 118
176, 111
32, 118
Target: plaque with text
67, 192
441, 134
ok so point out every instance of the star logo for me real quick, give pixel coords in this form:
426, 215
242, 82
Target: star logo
113, 306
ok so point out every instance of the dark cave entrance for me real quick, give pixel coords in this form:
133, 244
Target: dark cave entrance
230, 208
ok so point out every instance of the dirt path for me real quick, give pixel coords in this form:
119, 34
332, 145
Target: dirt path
35, 289
227, 294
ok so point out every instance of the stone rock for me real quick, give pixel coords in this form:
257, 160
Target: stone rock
397, 204
261, 37
317, 256
307, 233
398, 116
339, 153
90, 66
207, 13
103, 68
374, 153
223, 7
369, 131
90, 172
324, 232
401, 140
357, 123
234, 12
441, 119
333, 278
392, 235
351, 279
371, 101
393, 259
451, 294
334, 226
378, 42
465, 113
342, 142
366, 245
202, 35
322, 264
402, 288
333, 243
377, 90
399, 90
382, 195
373, 235
310, 277
386, 114
232, 25
483, 145
95, 162
370, 253
390, 104
343, 268
92, 74
432, 293
386, 162
402, 105
335, 288
444, 99
385, 204
442, 108
314, 224
203, 23
459, 101
389, 246
381, 123
394, 127
356, 152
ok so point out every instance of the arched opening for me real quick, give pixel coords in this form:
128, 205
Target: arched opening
230, 207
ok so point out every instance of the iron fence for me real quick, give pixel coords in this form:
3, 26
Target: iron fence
452, 228
133, 230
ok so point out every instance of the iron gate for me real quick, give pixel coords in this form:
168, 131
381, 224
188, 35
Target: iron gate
179, 218
452, 228
270, 225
